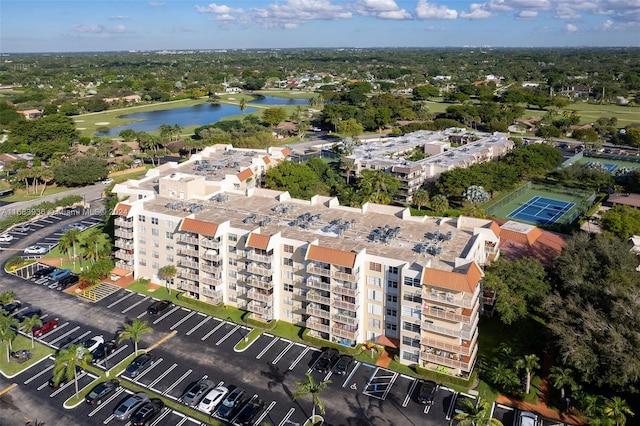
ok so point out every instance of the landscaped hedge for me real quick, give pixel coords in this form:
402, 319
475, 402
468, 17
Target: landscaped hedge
447, 379
12, 216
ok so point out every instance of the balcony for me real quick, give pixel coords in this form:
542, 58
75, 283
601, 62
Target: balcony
466, 332
188, 239
252, 255
121, 233
189, 287
315, 297
312, 283
255, 269
465, 317
211, 256
312, 268
463, 363
345, 333
345, 319
210, 268
262, 297
464, 349
188, 252
346, 290
124, 244
124, 265
214, 297
209, 243
259, 308
123, 223
343, 276
316, 312
314, 324
188, 263
211, 280
467, 300
255, 282
187, 274
124, 255
343, 304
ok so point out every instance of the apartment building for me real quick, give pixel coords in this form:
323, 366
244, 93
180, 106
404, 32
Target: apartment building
348, 275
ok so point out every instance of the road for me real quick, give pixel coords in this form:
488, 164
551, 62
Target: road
92, 195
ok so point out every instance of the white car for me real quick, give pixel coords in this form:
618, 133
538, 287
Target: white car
212, 399
92, 344
36, 250
108, 181
22, 228
5, 238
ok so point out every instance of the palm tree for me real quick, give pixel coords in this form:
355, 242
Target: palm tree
7, 297
617, 410
134, 331
560, 378
93, 243
529, 363
67, 362
68, 241
592, 405
243, 105
348, 166
476, 414
310, 387
439, 203
166, 273
8, 324
420, 198
28, 323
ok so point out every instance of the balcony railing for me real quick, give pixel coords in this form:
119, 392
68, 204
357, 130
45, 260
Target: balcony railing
258, 308
254, 282
252, 255
124, 265
121, 233
124, 244
123, 223
262, 297
255, 269
315, 269
317, 325
214, 296
463, 363
315, 297
345, 277
342, 304
188, 263
188, 239
188, 252
316, 312
345, 333
185, 273
466, 332
466, 301
318, 284
345, 290
464, 349
121, 254
211, 280
449, 316
345, 319
189, 287
211, 256
209, 243
210, 268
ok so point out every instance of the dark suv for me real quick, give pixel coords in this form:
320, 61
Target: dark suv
156, 307
327, 360
426, 392
343, 365
231, 404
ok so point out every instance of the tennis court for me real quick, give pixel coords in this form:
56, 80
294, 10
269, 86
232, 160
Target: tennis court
541, 211
609, 166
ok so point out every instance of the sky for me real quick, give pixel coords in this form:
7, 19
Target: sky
112, 25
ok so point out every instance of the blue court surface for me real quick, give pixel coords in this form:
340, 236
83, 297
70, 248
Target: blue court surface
541, 211
608, 166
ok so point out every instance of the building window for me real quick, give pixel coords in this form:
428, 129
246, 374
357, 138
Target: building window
408, 311
169, 247
156, 243
414, 282
409, 326
392, 312
155, 265
391, 326
233, 237
233, 262
410, 356
154, 220
376, 267
393, 270
376, 281
170, 224
287, 275
142, 251
288, 248
170, 258
155, 232
375, 295
141, 218
155, 254
416, 298
411, 342
288, 287
287, 261
142, 229
287, 313
392, 284
374, 323
287, 300
233, 274
168, 235
142, 262
392, 299
374, 309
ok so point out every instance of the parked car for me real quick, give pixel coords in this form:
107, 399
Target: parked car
249, 412
526, 418
107, 181
426, 392
25, 227
212, 399
196, 392
55, 384
92, 344
156, 307
57, 275
327, 360
139, 364
5, 238
21, 356
67, 281
10, 308
46, 327
343, 365
43, 272
130, 405
36, 250
79, 226
104, 350
101, 390
147, 412
231, 404
29, 314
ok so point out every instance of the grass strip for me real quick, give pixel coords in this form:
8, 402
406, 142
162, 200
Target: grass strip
13, 368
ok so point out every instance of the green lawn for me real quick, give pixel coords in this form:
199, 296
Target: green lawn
12, 368
21, 196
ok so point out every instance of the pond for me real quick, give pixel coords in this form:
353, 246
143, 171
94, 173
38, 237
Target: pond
274, 100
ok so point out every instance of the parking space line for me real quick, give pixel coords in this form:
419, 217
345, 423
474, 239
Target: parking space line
206, 336
108, 419
263, 415
32, 378
42, 386
411, 389
297, 360
286, 418
58, 328
164, 414
57, 339
267, 347
350, 376
39, 225
162, 376
151, 367
183, 421
102, 361
142, 314
200, 324
104, 403
70, 383
174, 326
451, 405
123, 298
279, 357
176, 383
226, 336
45, 220
77, 339
135, 304
167, 314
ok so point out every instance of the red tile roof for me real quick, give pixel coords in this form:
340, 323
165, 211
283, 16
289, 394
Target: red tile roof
266, 159
286, 152
332, 256
122, 210
258, 241
244, 175
456, 281
199, 227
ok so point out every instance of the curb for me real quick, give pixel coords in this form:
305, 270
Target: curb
248, 344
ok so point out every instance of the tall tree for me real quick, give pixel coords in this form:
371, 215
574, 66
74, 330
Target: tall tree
476, 414
8, 324
617, 410
529, 363
310, 387
28, 324
420, 198
134, 331
167, 273
439, 203
69, 241
68, 361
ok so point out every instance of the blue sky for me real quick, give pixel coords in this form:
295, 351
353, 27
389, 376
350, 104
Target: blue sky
108, 25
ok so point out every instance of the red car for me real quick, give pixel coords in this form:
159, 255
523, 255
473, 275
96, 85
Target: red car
46, 327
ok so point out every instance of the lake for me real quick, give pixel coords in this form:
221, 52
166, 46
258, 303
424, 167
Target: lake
197, 115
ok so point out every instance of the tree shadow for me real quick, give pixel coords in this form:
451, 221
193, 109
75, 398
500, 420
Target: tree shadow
276, 377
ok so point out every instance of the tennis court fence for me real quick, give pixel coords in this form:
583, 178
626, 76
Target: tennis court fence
491, 210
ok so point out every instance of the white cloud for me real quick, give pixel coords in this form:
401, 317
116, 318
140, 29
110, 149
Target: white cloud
118, 29
476, 11
526, 14
94, 29
395, 14
383, 9
293, 13
119, 18
157, 3
426, 10
571, 28
221, 9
